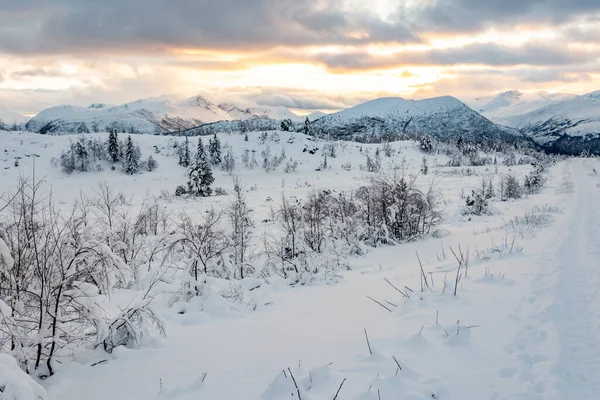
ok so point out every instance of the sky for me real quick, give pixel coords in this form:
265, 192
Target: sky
303, 54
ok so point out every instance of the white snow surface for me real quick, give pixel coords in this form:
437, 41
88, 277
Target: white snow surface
524, 325
169, 111
583, 113
397, 107
577, 115
16, 384
513, 102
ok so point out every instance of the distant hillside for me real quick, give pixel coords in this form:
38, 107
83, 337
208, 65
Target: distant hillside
157, 115
444, 118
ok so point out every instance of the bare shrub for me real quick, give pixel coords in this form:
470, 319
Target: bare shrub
529, 223
52, 272
393, 209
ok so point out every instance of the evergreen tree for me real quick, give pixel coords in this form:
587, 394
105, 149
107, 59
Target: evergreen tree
113, 147
200, 177
307, 130
132, 158
151, 164
214, 150
81, 154
184, 154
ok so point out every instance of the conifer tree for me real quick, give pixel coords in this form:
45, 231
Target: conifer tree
132, 158
214, 150
184, 154
200, 177
113, 147
81, 154
307, 130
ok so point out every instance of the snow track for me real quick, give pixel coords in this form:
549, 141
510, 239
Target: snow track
558, 348
577, 308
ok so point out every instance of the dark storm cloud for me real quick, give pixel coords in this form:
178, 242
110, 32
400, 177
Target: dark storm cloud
70, 26
475, 15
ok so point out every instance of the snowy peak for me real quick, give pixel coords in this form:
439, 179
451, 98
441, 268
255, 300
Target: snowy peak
567, 124
397, 106
513, 102
160, 114
392, 118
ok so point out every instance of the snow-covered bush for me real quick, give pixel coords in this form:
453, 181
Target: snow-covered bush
132, 326
393, 209
531, 222
62, 260
16, 384
509, 188
536, 179
476, 204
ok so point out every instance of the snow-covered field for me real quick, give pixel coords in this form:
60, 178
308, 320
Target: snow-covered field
522, 321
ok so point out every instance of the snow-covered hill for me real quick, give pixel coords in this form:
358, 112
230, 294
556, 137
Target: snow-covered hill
569, 126
442, 117
513, 102
152, 115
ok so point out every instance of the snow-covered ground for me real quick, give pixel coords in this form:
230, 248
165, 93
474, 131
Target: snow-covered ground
522, 325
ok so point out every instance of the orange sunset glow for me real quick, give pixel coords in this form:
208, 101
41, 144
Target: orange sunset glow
306, 55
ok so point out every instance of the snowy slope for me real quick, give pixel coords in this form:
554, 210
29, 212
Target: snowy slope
263, 112
569, 126
316, 115
508, 104
523, 324
165, 113
445, 118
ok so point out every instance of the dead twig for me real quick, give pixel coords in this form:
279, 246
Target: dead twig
368, 343
295, 384
340, 388
382, 305
406, 296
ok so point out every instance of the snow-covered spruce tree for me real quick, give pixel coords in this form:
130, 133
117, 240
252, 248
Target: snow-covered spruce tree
113, 147
307, 129
228, 163
509, 188
425, 145
287, 125
151, 164
51, 274
81, 155
200, 177
214, 150
131, 159
241, 224
424, 167
184, 153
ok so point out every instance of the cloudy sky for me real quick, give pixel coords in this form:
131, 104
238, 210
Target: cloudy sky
304, 54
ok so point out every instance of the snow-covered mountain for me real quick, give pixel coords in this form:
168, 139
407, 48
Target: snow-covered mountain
152, 115
442, 117
502, 106
569, 126
8, 117
263, 112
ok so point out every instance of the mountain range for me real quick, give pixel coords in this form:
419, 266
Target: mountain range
557, 122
